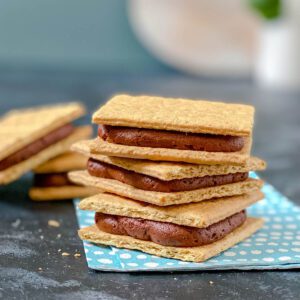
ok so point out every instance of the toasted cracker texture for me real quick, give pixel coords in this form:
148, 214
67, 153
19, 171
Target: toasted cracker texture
179, 114
61, 192
199, 215
65, 162
168, 170
164, 199
193, 254
16, 171
99, 146
19, 128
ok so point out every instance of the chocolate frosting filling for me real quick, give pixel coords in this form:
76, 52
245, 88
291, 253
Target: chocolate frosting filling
52, 180
36, 146
168, 234
153, 138
149, 183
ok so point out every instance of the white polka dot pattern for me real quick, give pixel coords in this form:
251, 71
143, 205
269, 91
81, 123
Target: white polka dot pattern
276, 246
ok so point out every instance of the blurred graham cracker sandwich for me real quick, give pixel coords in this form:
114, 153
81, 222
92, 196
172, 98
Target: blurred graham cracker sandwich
29, 137
51, 181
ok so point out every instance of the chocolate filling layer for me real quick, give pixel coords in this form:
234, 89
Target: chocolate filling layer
52, 180
36, 146
148, 183
168, 234
141, 137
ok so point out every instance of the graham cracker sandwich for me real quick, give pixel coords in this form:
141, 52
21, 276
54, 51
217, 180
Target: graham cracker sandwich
153, 182
29, 137
189, 232
167, 129
51, 181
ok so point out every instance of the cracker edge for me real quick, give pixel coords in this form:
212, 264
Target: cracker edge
61, 192
62, 164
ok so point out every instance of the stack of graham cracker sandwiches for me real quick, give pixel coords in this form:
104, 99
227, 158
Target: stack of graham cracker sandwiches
174, 176
40, 136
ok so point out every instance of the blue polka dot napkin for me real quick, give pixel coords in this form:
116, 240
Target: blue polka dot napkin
275, 246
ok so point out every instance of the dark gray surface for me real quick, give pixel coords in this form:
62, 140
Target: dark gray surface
33, 244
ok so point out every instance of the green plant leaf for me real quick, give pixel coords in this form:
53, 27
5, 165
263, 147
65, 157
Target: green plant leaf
269, 9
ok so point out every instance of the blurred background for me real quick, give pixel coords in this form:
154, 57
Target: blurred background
252, 39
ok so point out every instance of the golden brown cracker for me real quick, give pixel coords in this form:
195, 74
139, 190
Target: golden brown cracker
19, 128
168, 170
61, 192
65, 162
99, 146
200, 215
16, 171
193, 254
178, 114
164, 199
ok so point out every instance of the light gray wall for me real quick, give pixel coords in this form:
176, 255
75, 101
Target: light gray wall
86, 34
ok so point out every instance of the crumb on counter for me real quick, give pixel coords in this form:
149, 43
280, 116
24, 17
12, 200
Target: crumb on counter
53, 223
16, 223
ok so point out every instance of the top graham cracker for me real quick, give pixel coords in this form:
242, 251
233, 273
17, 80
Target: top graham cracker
197, 116
19, 128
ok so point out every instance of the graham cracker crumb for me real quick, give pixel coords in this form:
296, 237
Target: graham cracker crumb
53, 223
16, 223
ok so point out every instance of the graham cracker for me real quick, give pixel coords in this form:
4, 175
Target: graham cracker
61, 192
168, 170
193, 254
99, 146
200, 215
179, 114
16, 171
19, 128
164, 199
65, 162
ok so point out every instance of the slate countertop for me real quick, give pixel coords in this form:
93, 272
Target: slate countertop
31, 264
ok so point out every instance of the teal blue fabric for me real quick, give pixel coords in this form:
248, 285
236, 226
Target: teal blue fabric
275, 246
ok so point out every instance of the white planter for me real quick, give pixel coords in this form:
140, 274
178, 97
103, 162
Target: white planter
278, 61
